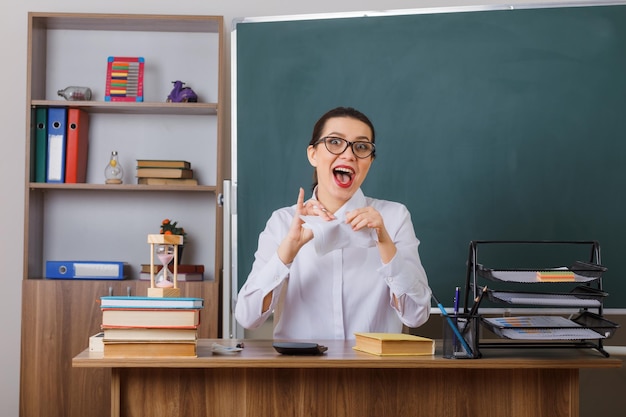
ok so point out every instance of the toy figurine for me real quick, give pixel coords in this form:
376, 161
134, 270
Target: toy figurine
180, 94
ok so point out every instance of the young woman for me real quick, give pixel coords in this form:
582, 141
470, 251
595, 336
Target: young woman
340, 262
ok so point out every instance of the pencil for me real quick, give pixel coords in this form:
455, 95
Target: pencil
477, 301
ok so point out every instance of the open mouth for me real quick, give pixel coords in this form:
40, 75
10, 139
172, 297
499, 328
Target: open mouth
343, 176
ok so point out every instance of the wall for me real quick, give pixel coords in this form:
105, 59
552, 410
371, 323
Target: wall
13, 43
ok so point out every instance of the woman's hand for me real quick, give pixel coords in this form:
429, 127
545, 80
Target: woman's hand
297, 235
367, 217
315, 208
370, 217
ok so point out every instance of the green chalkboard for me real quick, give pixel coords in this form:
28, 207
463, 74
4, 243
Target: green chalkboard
491, 125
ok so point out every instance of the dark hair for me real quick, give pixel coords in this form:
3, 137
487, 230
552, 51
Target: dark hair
331, 114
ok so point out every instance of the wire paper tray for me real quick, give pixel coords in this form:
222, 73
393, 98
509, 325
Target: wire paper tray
584, 326
583, 273
581, 296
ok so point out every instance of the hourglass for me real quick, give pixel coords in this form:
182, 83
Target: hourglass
165, 253
164, 285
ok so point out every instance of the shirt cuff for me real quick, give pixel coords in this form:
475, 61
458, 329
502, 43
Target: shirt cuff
275, 271
400, 283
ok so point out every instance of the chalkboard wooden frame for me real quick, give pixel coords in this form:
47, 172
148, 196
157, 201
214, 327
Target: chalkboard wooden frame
492, 124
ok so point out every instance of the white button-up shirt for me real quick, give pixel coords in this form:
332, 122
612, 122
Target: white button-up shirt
341, 292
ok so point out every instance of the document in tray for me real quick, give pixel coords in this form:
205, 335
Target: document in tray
530, 276
531, 321
545, 299
541, 328
551, 334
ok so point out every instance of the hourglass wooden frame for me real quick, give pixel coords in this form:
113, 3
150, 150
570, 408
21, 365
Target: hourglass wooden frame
159, 239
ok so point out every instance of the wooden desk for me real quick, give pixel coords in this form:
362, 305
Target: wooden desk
343, 382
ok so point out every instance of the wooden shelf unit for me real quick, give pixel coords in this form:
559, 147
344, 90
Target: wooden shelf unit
94, 221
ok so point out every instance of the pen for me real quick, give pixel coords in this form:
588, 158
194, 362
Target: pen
451, 324
456, 310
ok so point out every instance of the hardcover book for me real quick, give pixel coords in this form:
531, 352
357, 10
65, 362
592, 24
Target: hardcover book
156, 318
394, 344
149, 349
181, 268
135, 334
167, 181
164, 173
150, 302
181, 276
163, 163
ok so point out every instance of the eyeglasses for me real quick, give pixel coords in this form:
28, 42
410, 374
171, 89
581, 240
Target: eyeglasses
337, 146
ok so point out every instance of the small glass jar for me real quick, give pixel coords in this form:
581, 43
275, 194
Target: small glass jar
75, 93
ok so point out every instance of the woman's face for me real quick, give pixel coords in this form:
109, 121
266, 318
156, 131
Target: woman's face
340, 176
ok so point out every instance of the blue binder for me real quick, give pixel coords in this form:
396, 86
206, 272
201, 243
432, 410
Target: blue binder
57, 139
86, 270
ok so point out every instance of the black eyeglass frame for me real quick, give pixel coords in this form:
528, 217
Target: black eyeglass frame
348, 145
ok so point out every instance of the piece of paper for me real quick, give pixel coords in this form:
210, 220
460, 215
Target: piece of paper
337, 234
542, 328
545, 299
530, 276
551, 334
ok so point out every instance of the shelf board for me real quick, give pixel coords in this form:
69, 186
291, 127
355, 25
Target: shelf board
127, 22
119, 107
122, 187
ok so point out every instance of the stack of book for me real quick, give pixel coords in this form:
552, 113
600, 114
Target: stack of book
185, 272
165, 172
150, 326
